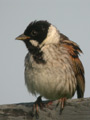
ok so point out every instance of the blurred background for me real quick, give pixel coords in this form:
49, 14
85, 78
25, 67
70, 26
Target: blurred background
71, 17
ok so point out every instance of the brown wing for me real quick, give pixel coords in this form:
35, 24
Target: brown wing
77, 66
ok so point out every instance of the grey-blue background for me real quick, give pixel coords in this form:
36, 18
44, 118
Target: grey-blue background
71, 17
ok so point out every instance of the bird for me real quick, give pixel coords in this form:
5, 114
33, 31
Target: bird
53, 68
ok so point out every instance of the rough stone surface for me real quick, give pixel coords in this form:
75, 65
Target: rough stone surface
75, 109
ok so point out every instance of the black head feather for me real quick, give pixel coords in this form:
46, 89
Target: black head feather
37, 30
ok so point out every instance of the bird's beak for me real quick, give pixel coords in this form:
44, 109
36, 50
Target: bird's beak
22, 37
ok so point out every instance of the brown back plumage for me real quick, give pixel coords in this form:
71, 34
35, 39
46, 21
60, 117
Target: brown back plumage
77, 66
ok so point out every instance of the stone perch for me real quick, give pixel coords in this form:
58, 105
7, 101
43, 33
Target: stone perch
75, 109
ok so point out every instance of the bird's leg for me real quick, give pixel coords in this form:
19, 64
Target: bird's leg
38, 103
62, 102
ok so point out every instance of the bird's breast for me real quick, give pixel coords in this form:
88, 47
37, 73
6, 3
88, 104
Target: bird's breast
53, 80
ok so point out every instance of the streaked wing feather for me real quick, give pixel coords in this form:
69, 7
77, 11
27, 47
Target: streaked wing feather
77, 66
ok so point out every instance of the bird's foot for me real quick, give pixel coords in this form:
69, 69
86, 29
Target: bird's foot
62, 102
39, 104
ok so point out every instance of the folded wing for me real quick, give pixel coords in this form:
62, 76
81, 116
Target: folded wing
77, 66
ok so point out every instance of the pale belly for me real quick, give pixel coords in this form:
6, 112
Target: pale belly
51, 82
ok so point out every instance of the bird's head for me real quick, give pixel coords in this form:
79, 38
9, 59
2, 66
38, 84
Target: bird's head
39, 33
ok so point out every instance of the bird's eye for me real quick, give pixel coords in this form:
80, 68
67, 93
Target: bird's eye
34, 33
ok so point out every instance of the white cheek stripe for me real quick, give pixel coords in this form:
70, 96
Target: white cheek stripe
34, 42
53, 36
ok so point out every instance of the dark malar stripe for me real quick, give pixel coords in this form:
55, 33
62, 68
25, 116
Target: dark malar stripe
36, 52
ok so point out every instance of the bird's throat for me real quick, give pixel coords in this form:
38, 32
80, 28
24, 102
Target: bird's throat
36, 52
